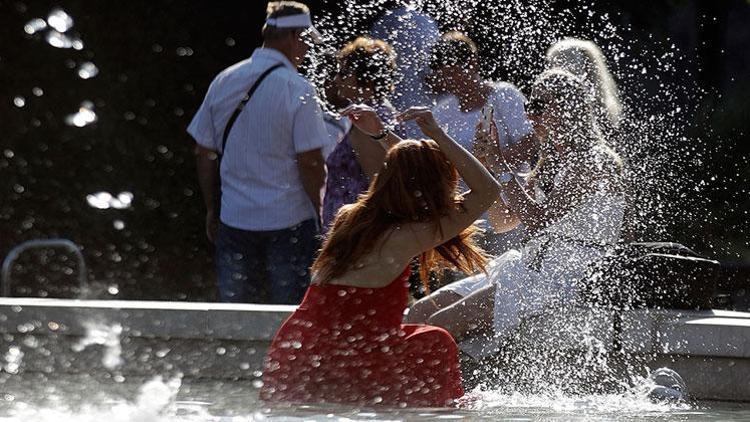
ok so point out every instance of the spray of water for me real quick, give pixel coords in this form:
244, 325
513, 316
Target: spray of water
155, 402
104, 335
652, 138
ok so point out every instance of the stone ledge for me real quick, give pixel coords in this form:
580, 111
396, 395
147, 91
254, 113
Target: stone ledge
184, 320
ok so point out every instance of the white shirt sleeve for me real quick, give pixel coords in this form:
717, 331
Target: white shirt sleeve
202, 128
308, 128
511, 101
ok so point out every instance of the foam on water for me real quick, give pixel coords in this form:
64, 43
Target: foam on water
152, 404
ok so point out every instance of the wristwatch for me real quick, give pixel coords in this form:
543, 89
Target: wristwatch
380, 135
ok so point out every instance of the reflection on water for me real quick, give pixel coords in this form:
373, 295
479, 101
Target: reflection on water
85, 398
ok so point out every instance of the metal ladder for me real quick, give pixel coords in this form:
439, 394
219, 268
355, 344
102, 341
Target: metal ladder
14, 253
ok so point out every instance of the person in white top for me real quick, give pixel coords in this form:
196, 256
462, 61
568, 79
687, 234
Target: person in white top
455, 71
260, 167
573, 207
412, 33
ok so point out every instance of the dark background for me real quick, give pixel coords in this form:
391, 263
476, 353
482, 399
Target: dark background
156, 59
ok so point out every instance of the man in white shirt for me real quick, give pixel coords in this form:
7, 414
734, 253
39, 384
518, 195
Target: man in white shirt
261, 168
455, 71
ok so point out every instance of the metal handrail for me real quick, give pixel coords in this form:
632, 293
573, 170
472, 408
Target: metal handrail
41, 243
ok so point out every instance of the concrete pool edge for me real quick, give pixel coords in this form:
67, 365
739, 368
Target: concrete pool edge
228, 341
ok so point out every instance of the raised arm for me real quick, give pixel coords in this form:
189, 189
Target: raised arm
523, 151
370, 138
483, 187
584, 175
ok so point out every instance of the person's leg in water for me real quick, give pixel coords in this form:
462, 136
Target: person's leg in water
472, 314
290, 254
424, 308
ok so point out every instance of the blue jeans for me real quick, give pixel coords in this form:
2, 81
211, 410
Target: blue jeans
265, 266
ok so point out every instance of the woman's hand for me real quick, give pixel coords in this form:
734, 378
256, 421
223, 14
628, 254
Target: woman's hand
425, 120
486, 147
364, 118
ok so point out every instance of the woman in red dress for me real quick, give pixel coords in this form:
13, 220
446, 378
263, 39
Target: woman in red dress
345, 343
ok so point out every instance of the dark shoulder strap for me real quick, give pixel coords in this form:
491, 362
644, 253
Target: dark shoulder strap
242, 104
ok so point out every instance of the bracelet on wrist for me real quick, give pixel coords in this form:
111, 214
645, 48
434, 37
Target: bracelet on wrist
380, 135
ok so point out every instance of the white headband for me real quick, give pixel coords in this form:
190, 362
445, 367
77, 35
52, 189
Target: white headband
301, 20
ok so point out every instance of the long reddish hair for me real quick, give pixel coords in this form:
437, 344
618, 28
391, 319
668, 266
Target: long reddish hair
416, 184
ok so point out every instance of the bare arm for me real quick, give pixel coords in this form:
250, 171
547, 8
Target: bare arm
366, 124
523, 151
207, 164
312, 174
520, 203
370, 153
502, 218
581, 178
483, 187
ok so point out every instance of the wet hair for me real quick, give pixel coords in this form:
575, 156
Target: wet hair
570, 98
277, 9
573, 103
453, 49
416, 184
585, 59
372, 61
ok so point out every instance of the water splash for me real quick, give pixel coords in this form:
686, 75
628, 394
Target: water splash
87, 70
103, 335
13, 360
59, 20
513, 37
105, 200
34, 26
155, 402
84, 116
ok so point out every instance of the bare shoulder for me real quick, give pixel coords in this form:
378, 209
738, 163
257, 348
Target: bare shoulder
405, 238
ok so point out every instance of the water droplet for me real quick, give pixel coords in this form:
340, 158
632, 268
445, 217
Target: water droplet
19, 101
87, 70
34, 26
60, 20
112, 289
118, 224
84, 117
